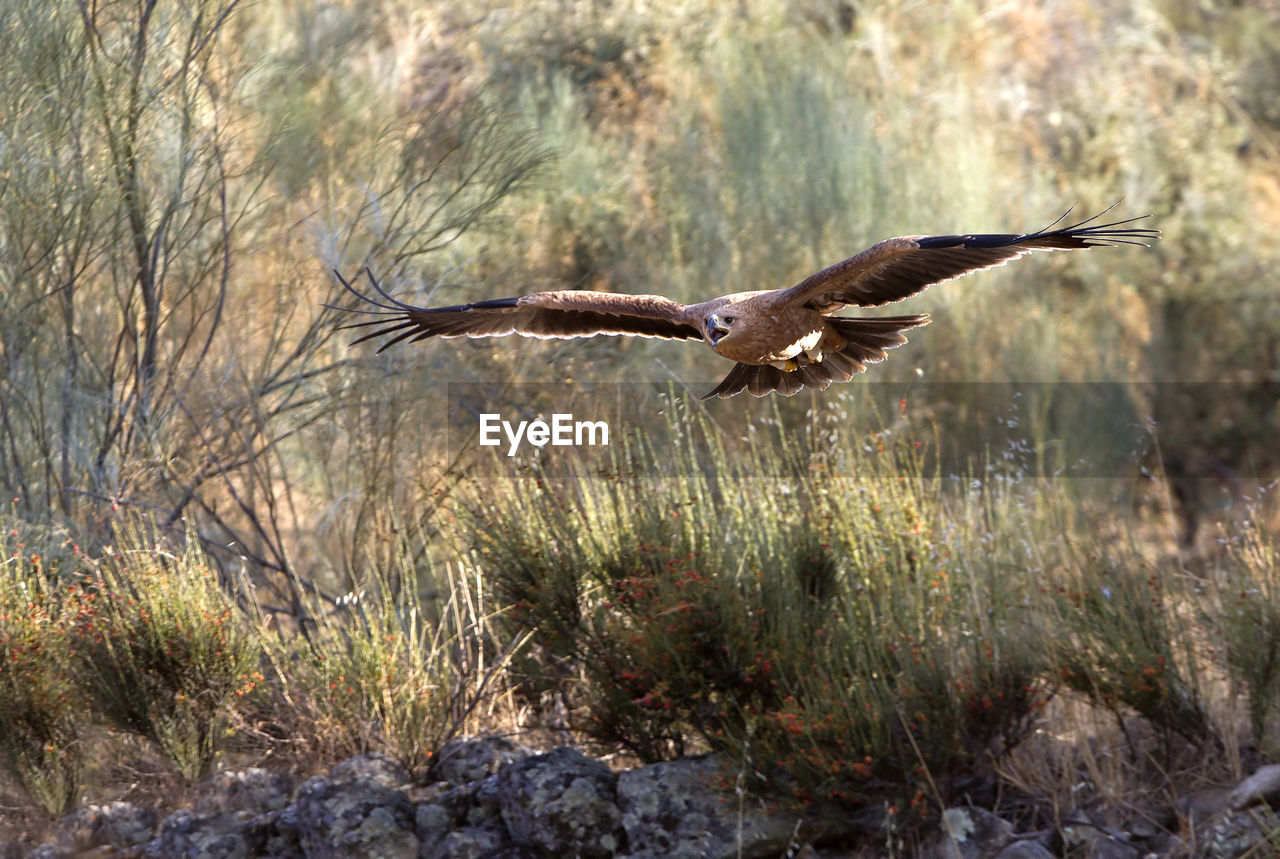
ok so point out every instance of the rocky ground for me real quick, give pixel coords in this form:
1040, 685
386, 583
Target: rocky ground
497, 799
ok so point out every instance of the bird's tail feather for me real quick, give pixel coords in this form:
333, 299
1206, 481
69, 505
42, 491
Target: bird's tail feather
866, 341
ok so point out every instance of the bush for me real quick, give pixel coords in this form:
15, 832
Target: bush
1246, 614
42, 714
812, 622
400, 664
163, 650
1120, 641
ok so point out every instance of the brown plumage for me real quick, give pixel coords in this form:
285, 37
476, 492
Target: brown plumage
783, 340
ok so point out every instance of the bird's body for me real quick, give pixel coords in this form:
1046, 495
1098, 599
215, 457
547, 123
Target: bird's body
782, 340
756, 331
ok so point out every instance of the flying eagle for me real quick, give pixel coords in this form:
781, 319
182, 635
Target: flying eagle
782, 340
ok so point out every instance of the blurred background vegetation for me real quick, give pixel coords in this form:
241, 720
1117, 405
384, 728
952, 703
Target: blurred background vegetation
177, 180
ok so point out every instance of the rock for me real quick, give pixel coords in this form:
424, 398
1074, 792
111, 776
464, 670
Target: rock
1027, 848
426, 793
359, 818
677, 809
475, 804
118, 825
264, 830
486, 804
1144, 829
562, 803
226, 835
236, 817
49, 850
1239, 833
1111, 847
469, 759
469, 842
374, 767
249, 793
969, 833
1262, 786
432, 823
513, 851
1095, 840
1202, 805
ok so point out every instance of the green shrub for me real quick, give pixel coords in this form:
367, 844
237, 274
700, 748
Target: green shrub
1247, 615
42, 714
1119, 640
400, 664
814, 622
163, 650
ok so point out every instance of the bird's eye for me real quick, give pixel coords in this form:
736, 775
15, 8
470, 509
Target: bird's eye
728, 320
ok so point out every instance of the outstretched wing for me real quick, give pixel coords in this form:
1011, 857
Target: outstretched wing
897, 268
562, 314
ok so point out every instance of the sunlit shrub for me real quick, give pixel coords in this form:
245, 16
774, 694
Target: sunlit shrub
42, 713
813, 622
399, 665
163, 650
1247, 613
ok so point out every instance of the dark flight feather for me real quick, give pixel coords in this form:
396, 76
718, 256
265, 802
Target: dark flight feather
897, 268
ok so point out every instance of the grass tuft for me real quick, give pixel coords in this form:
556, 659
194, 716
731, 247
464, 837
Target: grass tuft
403, 662
1123, 643
1247, 611
816, 619
163, 651
42, 713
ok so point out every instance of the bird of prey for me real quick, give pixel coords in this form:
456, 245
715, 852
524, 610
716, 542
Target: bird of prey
782, 340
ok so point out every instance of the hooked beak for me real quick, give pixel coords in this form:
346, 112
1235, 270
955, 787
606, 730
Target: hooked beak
716, 330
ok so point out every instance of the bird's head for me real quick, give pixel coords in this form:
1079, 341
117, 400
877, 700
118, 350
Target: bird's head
719, 326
